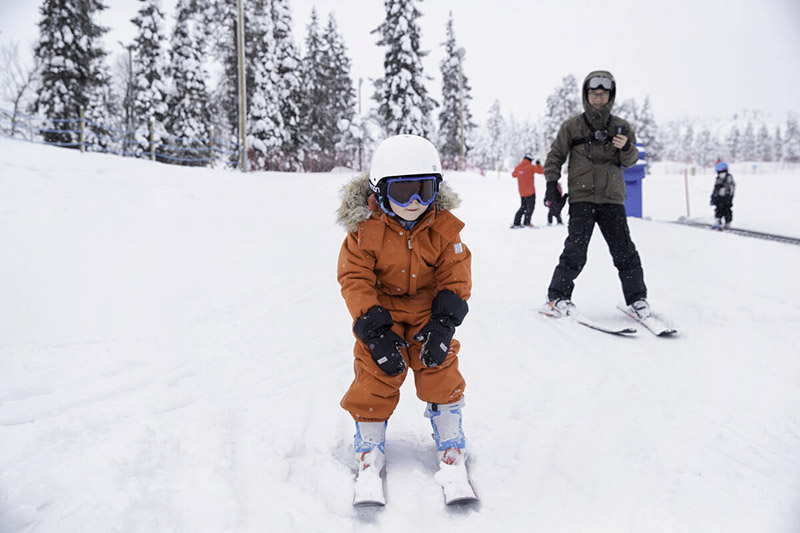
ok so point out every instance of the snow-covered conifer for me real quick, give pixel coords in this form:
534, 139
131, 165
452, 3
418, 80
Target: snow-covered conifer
287, 65
791, 140
455, 111
265, 133
73, 70
733, 143
150, 84
565, 102
348, 131
747, 150
764, 148
494, 147
647, 131
403, 102
189, 102
778, 144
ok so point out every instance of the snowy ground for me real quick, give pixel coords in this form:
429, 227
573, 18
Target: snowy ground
173, 347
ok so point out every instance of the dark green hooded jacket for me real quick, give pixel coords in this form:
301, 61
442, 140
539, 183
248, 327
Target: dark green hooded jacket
595, 166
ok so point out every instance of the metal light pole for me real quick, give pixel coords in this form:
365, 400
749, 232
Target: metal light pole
128, 95
460, 54
242, 95
360, 138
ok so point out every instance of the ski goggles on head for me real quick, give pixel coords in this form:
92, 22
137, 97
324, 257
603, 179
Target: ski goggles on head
601, 82
403, 191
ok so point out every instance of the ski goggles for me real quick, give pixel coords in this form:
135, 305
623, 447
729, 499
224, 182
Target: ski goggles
403, 191
601, 82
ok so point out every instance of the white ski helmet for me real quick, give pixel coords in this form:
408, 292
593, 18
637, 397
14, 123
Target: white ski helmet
404, 155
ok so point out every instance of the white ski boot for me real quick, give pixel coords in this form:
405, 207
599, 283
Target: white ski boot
369, 444
452, 452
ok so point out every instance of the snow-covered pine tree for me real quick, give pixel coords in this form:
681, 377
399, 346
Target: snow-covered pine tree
791, 140
494, 149
150, 84
748, 143
733, 143
764, 149
687, 144
453, 98
403, 102
647, 131
778, 144
349, 131
704, 153
318, 128
287, 64
565, 102
189, 103
73, 70
265, 133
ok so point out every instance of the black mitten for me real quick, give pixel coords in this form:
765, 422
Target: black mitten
375, 329
437, 335
551, 195
447, 311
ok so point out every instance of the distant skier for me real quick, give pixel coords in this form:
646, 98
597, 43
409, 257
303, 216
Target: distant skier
555, 206
405, 277
525, 173
722, 196
597, 144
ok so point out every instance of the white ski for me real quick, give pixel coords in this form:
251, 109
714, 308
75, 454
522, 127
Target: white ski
590, 323
455, 483
653, 323
368, 489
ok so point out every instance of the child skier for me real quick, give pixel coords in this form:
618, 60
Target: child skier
405, 277
722, 196
556, 205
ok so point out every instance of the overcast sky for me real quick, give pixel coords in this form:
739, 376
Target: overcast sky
692, 57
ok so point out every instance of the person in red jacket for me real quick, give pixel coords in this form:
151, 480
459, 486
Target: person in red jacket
524, 172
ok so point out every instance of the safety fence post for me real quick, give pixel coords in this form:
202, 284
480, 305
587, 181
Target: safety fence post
152, 144
82, 130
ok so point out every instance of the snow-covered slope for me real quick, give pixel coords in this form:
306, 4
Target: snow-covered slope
173, 348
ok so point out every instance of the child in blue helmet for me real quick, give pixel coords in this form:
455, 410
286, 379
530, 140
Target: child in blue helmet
722, 196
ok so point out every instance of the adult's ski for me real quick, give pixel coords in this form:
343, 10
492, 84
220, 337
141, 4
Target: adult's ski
591, 323
652, 323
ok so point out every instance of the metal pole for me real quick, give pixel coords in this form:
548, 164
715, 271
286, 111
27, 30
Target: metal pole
460, 53
242, 96
686, 187
360, 138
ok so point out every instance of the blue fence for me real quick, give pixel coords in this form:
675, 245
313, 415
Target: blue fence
96, 137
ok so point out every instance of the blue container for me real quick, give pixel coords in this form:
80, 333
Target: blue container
633, 184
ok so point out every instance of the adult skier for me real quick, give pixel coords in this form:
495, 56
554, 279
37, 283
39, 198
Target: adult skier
525, 173
405, 277
722, 196
598, 144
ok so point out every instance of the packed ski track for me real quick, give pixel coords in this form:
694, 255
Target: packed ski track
173, 348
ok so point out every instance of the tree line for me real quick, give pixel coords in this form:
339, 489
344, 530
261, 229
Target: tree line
303, 112
302, 108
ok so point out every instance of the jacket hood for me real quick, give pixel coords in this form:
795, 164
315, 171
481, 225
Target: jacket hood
598, 117
358, 202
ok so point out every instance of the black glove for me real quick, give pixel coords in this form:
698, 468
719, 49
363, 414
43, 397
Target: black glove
447, 311
375, 329
551, 195
713, 200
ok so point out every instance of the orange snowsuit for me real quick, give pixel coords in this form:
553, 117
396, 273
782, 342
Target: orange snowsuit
381, 263
524, 173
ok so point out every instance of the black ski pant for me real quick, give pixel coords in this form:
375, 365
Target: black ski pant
614, 227
555, 212
723, 209
526, 209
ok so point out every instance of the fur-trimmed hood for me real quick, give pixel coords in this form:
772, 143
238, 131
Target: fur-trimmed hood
356, 206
